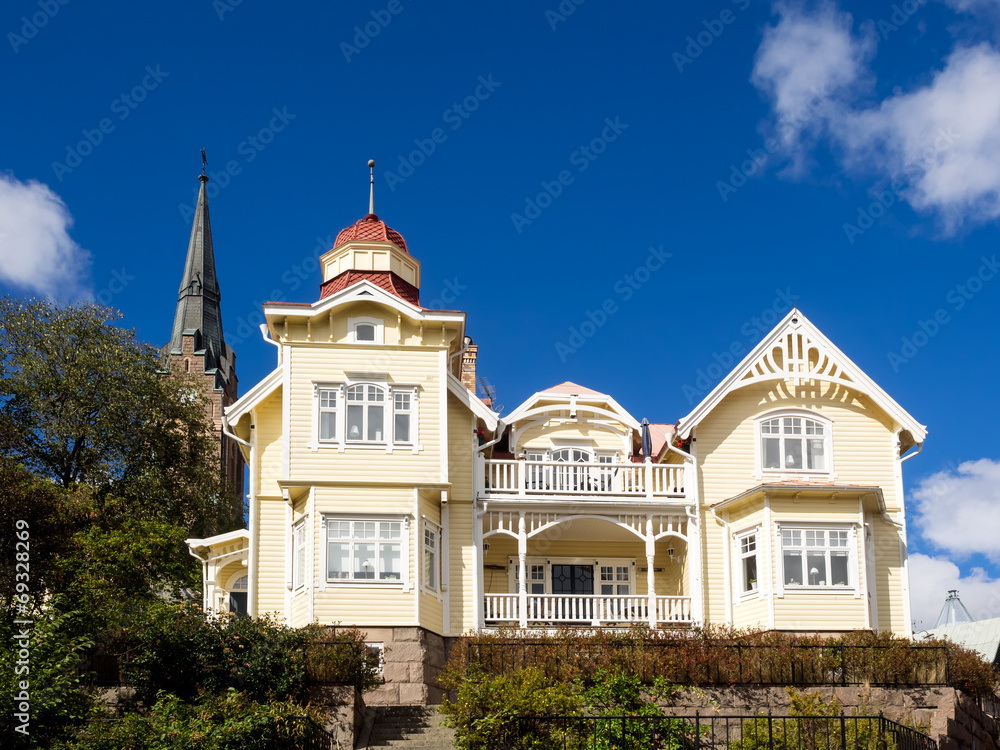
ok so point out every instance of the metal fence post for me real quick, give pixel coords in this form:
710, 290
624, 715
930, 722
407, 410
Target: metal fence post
697, 729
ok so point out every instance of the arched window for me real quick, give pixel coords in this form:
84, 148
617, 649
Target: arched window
366, 413
794, 442
365, 330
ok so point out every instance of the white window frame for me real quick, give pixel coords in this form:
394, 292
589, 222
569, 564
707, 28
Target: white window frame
338, 394
429, 528
802, 414
851, 548
300, 554
352, 330
366, 406
404, 556
340, 440
741, 555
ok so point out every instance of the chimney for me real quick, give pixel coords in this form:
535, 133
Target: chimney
469, 367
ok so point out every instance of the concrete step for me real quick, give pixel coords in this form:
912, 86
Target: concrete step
408, 728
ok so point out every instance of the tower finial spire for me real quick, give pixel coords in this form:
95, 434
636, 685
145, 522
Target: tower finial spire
371, 192
204, 162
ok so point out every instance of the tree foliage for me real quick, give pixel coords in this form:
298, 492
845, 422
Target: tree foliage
85, 402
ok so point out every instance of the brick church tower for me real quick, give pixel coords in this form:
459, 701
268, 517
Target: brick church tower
198, 346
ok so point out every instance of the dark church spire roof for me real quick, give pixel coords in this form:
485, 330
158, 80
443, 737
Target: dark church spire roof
199, 311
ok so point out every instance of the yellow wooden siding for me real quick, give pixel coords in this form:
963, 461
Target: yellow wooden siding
461, 571
329, 364
271, 557
543, 438
269, 443
750, 611
862, 453
230, 569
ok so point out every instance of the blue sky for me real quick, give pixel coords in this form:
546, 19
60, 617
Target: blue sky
534, 156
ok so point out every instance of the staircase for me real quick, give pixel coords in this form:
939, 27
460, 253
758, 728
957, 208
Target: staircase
405, 727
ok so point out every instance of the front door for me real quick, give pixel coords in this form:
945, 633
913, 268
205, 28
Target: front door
568, 580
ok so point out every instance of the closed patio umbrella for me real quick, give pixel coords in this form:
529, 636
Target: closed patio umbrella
647, 440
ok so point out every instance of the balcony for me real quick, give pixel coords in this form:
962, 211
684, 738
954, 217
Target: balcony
544, 610
524, 479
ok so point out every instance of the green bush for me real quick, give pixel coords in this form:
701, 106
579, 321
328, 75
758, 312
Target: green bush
231, 721
58, 702
180, 650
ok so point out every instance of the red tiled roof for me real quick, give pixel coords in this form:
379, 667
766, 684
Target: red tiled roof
371, 227
384, 279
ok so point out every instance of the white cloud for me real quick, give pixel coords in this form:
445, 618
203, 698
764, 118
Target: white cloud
805, 61
959, 511
931, 578
939, 141
36, 251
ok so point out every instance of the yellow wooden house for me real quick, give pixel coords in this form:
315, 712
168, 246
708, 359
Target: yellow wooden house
384, 494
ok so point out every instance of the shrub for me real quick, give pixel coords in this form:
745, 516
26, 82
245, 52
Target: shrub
231, 721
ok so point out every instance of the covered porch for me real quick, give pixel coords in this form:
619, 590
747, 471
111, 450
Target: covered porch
587, 566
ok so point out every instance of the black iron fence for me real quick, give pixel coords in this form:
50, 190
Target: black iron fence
684, 663
697, 732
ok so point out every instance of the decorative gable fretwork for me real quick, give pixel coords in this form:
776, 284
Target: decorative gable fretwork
508, 522
798, 357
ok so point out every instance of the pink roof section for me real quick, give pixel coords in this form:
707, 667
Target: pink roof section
568, 388
371, 227
660, 435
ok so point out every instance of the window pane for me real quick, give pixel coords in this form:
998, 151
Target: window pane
338, 529
750, 573
816, 562
364, 529
402, 428
793, 454
327, 425
793, 426
375, 393
793, 568
815, 538
772, 453
770, 427
300, 565
328, 399
390, 567
791, 537
356, 393
355, 417
339, 557
621, 573
607, 574
364, 561
607, 589
364, 332
375, 423
838, 569
390, 530
623, 590
816, 457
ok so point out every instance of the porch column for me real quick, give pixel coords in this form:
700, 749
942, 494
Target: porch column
522, 554
478, 589
650, 573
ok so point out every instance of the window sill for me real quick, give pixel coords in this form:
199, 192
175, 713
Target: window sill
338, 582
789, 589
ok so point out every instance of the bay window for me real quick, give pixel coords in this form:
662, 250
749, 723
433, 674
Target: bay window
816, 557
365, 414
432, 560
368, 550
299, 555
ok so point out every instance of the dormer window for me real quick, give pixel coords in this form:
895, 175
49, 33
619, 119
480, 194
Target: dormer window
795, 442
365, 330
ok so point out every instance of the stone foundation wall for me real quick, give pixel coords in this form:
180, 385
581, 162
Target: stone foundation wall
414, 658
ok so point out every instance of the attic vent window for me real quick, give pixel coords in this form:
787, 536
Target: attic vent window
365, 332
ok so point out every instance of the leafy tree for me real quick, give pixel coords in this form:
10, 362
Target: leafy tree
84, 402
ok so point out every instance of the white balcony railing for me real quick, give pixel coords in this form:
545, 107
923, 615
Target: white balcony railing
523, 478
593, 610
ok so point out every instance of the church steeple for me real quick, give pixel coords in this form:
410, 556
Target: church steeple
199, 311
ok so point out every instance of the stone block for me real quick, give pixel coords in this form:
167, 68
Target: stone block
395, 671
412, 694
406, 651
383, 695
406, 634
